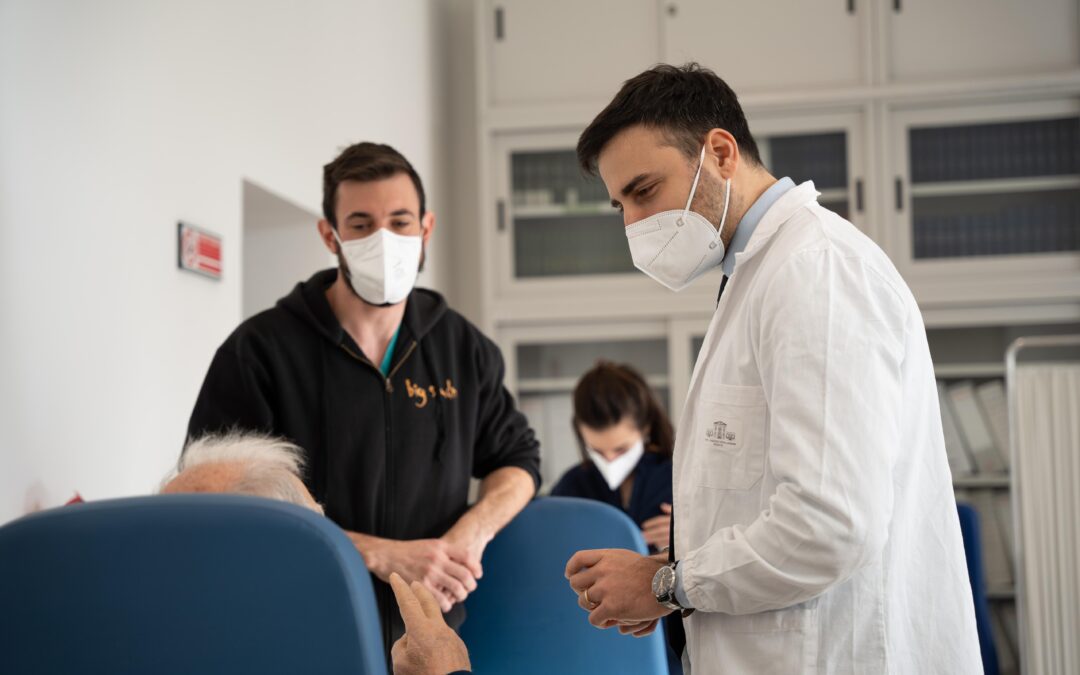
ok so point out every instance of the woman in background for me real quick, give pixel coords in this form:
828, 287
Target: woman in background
626, 442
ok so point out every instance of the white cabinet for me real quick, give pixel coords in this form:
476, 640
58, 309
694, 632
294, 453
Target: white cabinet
826, 148
557, 233
987, 201
566, 50
934, 40
756, 46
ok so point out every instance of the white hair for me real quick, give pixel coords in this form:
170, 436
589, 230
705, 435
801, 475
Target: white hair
271, 467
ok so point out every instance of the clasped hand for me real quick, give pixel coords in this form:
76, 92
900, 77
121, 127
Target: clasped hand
615, 587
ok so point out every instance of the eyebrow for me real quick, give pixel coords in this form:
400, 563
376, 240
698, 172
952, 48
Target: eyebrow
364, 214
631, 186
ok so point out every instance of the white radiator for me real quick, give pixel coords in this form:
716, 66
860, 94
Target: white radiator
1045, 414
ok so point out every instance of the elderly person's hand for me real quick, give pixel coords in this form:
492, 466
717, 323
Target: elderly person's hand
429, 646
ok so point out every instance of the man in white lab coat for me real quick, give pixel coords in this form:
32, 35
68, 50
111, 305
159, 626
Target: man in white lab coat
815, 526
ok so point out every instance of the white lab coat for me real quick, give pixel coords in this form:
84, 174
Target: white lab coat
815, 518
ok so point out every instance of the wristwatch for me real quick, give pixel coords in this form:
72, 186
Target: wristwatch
663, 587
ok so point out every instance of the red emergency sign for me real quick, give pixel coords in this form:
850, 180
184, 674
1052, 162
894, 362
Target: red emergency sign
199, 251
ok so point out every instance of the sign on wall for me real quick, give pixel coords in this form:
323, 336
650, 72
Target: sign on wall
198, 250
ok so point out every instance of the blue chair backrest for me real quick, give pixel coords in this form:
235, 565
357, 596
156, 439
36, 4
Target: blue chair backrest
969, 529
524, 618
184, 584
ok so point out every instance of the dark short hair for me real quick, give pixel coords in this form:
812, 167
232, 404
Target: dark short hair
683, 102
611, 392
365, 162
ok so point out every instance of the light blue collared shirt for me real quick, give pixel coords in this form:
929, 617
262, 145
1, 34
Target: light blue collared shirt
743, 231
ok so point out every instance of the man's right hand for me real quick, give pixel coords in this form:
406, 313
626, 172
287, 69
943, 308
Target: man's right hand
435, 563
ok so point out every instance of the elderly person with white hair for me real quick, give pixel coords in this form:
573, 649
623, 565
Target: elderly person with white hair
245, 464
269, 467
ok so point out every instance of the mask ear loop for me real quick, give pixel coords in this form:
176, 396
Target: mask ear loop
693, 188
727, 201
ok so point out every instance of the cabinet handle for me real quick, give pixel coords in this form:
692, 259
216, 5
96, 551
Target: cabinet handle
896, 6
500, 216
899, 194
858, 195
850, 6
500, 24
672, 9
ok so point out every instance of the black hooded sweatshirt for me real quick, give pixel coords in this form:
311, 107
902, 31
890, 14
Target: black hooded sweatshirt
386, 456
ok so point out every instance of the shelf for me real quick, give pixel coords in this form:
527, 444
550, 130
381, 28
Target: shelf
555, 210
1001, 593
995, 481
994, 186
974, 369
565, 385
563, 210
833, 195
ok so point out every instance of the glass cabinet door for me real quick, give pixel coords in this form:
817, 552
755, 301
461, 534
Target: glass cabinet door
548, 371
827, 148
557, 230
562, 222
820, 157
995, 188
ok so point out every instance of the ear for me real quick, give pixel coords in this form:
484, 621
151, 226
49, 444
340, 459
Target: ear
326, 233
427, 226
722, 152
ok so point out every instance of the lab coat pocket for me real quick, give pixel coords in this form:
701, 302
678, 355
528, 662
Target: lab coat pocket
780, 642
729, 437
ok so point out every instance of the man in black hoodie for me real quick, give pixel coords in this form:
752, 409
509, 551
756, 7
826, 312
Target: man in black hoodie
396, 398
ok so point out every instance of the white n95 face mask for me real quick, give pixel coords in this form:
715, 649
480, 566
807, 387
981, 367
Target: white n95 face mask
676, 247
616, 470
382, 266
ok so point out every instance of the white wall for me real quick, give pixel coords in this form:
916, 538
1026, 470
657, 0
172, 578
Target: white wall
120, 117
281, 246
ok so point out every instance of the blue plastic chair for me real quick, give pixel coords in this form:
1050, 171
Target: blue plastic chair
969, 529
181, 584
524, 618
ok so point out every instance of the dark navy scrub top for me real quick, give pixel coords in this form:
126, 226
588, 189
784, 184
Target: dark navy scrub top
652, 487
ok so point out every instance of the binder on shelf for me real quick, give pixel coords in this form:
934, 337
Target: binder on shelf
974, 429
996, 561
1006, 653
1052, 149
960, 461
991, 396
1007, 614
1004, 515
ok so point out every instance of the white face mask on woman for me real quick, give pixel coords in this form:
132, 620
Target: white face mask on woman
617, 470
676, 247
382, 266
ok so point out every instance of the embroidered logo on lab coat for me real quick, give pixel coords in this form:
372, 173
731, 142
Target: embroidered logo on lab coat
724, 433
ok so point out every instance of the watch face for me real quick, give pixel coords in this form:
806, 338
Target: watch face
663, 582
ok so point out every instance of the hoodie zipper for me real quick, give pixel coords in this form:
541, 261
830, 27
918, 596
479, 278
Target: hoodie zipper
387, 385
388, 389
